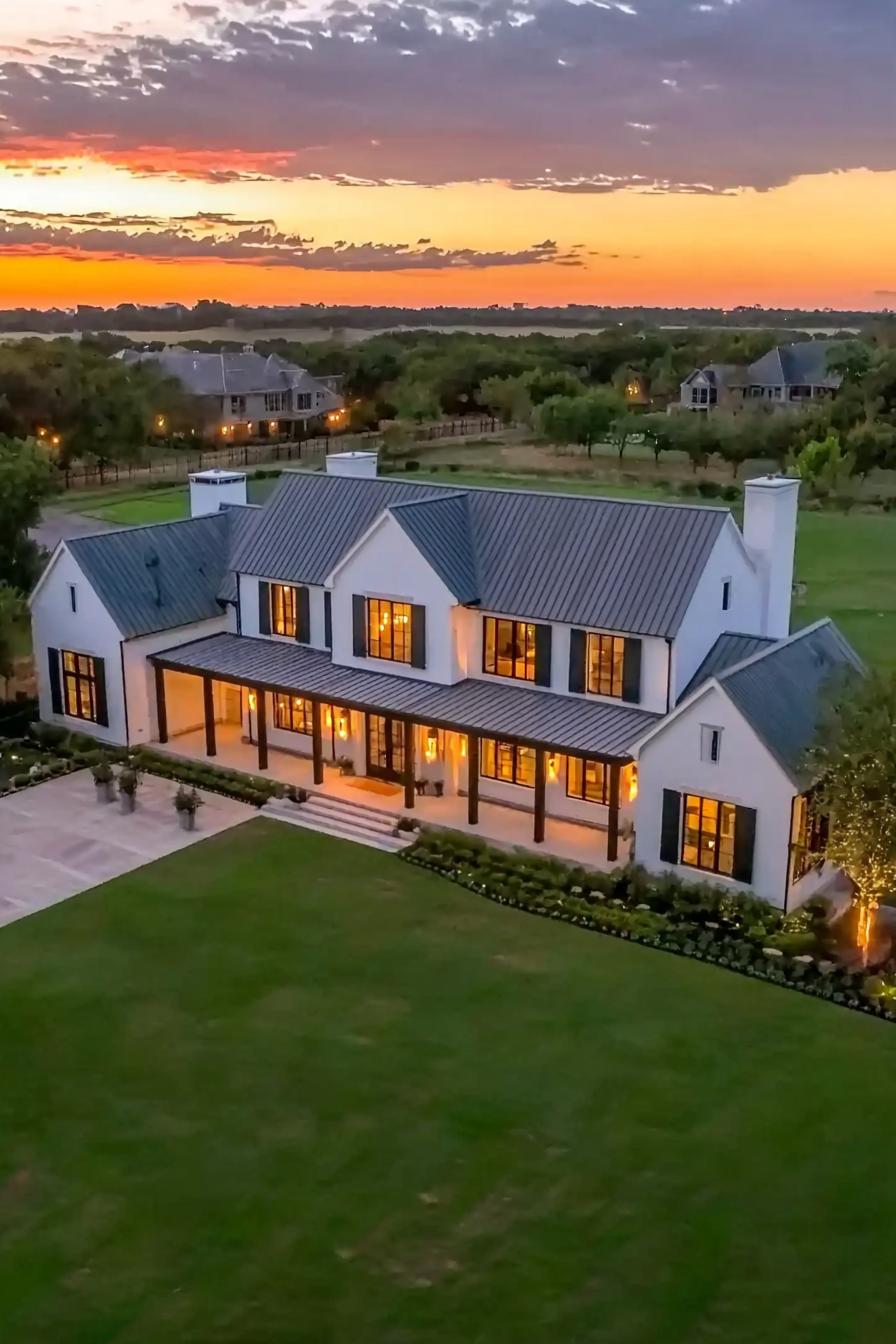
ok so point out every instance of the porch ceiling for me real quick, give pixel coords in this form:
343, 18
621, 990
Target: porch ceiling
512, 713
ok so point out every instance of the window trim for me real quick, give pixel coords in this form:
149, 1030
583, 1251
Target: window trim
515, 749
600, 636
372, 624
716, 846
289, 703
528, 648
72, 680
582, 797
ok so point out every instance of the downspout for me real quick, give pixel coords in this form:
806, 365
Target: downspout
239, 607
789, 867
668, 674
124, 695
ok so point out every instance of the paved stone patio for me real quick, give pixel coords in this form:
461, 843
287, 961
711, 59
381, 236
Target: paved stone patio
57, 840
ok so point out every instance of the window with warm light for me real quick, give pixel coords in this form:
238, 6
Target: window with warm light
708, 839
507, 762
508, 648
808, 836
79, 682
283, 610
606, 657
389, 630
292, 714
587, 780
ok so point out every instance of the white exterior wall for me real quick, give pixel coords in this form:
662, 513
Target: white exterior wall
143, 723
746, 774
89, 630
388, 564
249, 624
705, 620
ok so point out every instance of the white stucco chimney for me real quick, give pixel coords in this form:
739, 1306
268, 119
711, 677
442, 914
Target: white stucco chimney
770, 511
351, 464
212, 488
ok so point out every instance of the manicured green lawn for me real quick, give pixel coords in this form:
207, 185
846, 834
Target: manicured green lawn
279, 1088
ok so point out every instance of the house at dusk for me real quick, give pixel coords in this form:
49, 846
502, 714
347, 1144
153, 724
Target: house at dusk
788, 376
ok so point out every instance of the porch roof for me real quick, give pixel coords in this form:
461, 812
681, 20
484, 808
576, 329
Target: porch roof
512, 713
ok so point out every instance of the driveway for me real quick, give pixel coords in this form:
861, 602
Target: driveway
57, 840
60, 525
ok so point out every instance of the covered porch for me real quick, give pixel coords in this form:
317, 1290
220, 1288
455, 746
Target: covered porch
515, 766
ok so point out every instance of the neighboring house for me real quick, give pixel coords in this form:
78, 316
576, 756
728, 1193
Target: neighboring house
246, 395
788, 376
565, 656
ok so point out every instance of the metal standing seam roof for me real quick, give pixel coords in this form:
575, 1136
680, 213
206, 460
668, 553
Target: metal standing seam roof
623, 565
161, 576
440, 529
801, 362
727, 650
780, 691
563, 722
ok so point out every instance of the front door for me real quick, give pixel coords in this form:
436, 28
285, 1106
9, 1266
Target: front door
385, 747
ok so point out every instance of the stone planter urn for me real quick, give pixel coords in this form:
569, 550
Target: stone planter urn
105, 790
127, 802
187, 820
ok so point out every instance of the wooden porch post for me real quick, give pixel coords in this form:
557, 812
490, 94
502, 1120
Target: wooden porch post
161, 706
473, 779
409, 765
208, 704
317, 751
261, 720
539, 796
613, 816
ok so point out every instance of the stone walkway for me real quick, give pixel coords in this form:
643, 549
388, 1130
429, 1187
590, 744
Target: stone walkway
57, 840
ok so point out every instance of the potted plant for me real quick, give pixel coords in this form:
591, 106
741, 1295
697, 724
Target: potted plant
104, 779
187, 803
128, 780
346, 765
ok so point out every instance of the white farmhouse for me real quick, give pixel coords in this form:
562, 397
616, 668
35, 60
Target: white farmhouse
596, 676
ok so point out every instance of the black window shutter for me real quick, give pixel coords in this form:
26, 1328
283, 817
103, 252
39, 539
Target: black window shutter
303, 616
359, 626
542, 655
418, 636
264, 608
631, 671
577, 645
328, 621
55, 681
744, 843
102, 709
671, 823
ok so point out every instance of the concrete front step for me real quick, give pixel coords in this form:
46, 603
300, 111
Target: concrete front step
338, 822
336, 809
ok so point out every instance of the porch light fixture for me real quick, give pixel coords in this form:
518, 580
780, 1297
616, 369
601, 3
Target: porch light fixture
633, 784
41, 433
463, 744
56, 440
160, 422
272, 424
328, 717
253, 700
553, 764
432, 745
342, 728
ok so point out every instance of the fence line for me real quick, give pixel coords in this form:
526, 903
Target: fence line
177, 465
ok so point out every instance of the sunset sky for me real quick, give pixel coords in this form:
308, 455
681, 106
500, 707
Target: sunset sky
453, 151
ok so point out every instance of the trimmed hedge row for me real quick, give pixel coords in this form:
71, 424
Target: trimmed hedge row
743, 934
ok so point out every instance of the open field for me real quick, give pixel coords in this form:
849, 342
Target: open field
278, 1088
847, 562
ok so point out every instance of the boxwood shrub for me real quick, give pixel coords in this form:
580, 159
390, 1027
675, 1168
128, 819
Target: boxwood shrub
691, 919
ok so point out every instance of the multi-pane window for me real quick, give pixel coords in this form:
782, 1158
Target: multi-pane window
507, 762
606, 654
275, 401
389, 629
588, 780
292, 713
809, 835
79, 686
708, 840
303, 401
237, 405
283, 610
508, 648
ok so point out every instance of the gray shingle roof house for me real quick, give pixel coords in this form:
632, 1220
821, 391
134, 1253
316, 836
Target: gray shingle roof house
788, 375
244, 394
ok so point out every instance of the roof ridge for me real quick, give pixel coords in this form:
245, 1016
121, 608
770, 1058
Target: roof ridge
427, 499
774, 647
132, 528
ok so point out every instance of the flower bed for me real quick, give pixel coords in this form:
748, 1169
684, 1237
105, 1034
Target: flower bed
699, 920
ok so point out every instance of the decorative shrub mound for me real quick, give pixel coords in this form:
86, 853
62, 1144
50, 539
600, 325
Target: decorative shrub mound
691, 919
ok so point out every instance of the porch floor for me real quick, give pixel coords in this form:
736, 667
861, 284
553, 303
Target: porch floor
498, 823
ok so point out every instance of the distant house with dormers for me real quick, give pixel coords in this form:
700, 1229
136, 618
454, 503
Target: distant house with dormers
787, 376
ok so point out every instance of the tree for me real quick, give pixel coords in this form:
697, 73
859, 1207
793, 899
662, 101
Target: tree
507, 398
824, 464
26, 480
657, 433
12, 614
872, 444
415, 400
854, 759
585, 419
622, 429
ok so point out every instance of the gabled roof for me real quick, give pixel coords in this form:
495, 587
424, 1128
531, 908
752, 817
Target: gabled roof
440, 529
160, 576
613, 564
228, 373
803, 363
727, 650
718, 375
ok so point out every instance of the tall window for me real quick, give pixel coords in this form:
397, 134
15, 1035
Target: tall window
237, 405
708, 840
275, 401
507, 762
809, 836
606, 654
303, 401
283, 610
587, 780
79, 686
508, 648
389, 630
292, 713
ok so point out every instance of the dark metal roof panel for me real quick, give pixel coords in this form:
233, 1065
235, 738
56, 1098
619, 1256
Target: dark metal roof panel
158, 577
566, 723
727, 650
440, 529
614, 564
780, 692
